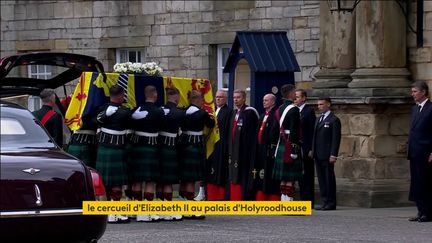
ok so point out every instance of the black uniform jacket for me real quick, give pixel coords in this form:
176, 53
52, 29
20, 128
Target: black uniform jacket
118, 121
54, 125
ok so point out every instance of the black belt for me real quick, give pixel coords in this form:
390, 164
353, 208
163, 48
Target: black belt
111, 139
82, 138
144, 138
167, 138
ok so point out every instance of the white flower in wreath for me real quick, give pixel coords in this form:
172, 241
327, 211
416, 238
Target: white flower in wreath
117, 67
150, 68
135, 67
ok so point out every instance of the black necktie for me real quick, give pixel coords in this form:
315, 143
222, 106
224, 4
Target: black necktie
321, 118
417, 112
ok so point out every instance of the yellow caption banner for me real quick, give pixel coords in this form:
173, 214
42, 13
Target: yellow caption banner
198, 207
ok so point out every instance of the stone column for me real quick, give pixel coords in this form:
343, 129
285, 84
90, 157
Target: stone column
337, 48
374, 108
380, 45
373, 170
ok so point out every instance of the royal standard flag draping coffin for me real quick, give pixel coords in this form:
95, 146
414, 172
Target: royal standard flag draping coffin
92, 91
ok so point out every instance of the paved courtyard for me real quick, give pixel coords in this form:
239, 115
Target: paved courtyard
343, 225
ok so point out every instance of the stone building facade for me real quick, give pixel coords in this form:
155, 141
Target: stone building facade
183, 36
365, 61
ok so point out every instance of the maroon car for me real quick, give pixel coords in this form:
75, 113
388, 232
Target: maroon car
41, 186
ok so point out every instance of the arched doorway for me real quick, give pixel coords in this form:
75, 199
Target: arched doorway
243, 77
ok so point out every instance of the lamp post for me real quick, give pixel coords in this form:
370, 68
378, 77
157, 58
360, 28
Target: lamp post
342, 5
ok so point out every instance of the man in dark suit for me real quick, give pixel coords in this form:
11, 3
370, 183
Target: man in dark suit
420, 152
325, 149
307, 123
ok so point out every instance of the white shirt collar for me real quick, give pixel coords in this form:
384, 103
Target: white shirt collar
217, 110
302, 106
327, 113
422, 104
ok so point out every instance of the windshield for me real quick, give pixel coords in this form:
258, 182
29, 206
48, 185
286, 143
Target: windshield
23, 132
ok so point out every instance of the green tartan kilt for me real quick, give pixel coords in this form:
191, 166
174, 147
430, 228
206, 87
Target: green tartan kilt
169, 165
110, 163
143, 163
192, 163
84, 152
284, 171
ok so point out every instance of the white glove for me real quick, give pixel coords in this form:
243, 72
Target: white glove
139, 114
191, 110
294, 156
111, 110
166, 111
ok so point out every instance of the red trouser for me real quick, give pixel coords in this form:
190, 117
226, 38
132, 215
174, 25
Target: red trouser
215, 192
235, 192
261, 196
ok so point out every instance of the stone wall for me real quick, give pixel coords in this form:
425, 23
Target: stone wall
180, 35
420, 59
373, 170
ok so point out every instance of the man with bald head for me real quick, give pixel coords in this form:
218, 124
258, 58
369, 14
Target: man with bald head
267, 189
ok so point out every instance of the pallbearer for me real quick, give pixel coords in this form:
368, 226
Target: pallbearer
83, 141
144, 157
168, 139
193, 144
110, 161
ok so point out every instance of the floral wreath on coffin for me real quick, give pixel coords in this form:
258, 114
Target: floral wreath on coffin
149, 68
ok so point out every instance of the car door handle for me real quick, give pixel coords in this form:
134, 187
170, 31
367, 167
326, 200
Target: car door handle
38, 196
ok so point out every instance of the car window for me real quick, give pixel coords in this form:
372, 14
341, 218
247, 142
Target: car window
22, 132
11, 127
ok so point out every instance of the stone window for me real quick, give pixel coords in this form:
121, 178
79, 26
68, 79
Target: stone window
222, 56
39, 71
129, 55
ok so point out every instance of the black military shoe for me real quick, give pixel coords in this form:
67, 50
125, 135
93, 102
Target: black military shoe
424, 218
416, 218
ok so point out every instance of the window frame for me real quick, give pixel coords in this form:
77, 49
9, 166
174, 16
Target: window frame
136, 50
31, 74
220, 65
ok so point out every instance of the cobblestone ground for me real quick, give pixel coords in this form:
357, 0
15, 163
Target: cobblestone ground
342, 225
